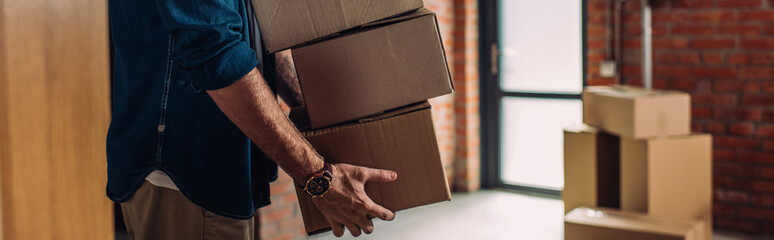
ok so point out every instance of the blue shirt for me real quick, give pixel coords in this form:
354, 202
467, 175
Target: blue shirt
166, 53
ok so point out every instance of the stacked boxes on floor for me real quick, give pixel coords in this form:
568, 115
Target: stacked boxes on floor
636, 155
366, 69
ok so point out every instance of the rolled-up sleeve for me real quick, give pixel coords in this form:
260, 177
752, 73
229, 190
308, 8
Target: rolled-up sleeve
210, 51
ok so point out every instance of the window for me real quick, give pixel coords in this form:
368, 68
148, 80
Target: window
532, 52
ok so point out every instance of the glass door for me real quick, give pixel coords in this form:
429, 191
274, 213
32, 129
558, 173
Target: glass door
531, 90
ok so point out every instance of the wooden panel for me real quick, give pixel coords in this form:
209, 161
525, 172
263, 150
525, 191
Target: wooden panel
54, 100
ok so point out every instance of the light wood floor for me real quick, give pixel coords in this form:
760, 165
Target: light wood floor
485, 214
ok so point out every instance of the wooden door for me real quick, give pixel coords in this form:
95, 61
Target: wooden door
54, 114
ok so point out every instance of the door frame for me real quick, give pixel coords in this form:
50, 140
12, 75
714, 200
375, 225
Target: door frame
492, 95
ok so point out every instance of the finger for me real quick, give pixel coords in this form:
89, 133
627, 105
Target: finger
377, 210
353, 229
379, 175
337, 228
367, 225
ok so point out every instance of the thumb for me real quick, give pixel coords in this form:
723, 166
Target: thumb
379, 175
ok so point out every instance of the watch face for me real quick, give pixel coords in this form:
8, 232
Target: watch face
318, 186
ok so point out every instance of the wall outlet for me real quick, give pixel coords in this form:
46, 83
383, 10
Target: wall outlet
607, 69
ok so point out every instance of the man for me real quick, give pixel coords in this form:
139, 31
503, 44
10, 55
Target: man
189, 108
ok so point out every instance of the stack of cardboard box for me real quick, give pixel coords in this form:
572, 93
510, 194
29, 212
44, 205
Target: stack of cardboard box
636, 160
366, 69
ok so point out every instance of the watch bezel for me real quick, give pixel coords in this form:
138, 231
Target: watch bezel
327, 174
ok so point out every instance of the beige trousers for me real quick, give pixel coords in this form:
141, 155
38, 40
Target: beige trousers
161, 213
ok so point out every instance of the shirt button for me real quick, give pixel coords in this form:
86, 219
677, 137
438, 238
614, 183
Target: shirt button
161, 127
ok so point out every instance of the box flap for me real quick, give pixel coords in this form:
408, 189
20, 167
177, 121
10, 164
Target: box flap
406, 16
622, 91
398, 111
609, 218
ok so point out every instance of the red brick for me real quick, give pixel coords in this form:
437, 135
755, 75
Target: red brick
712, 58
739, 29
672, 43
658, 30
738, 59
596, 81
632, 44
762, 200
751, 86
723, 209
631, 70
759, 213
714, 16
665, 57
756, 157
738, 114
678, 58
721, 154
727, 72
739, 3
715, 127
768, 116
277, 215
671, 71
631, 18
768, 145
741, 128
767, 44
733, 169
756, 15
768, 87
600, 7
755, 185
758, 100
736, 86
737, 142
712, 43
767, 172
765, 130
595, 44
692, 4
762, 58
757, 73
692, 30
595, 18
687, 85
697, 127
714, 99
700, 112
737, 196
595, 57
768, 29
737, 223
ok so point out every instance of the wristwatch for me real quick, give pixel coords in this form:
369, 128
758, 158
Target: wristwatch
320, 182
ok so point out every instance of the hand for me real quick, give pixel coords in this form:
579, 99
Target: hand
346, 203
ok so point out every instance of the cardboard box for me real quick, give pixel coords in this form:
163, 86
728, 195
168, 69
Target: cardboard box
287, 23
593, 224
668, 177
390, 64
403, 141
635, 112
591, 168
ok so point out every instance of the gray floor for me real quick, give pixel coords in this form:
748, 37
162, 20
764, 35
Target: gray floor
483, 215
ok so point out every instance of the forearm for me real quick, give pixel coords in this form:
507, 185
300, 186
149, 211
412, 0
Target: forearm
287, 86
252, 106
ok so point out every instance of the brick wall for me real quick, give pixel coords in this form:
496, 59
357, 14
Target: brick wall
455, 117
722, 52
